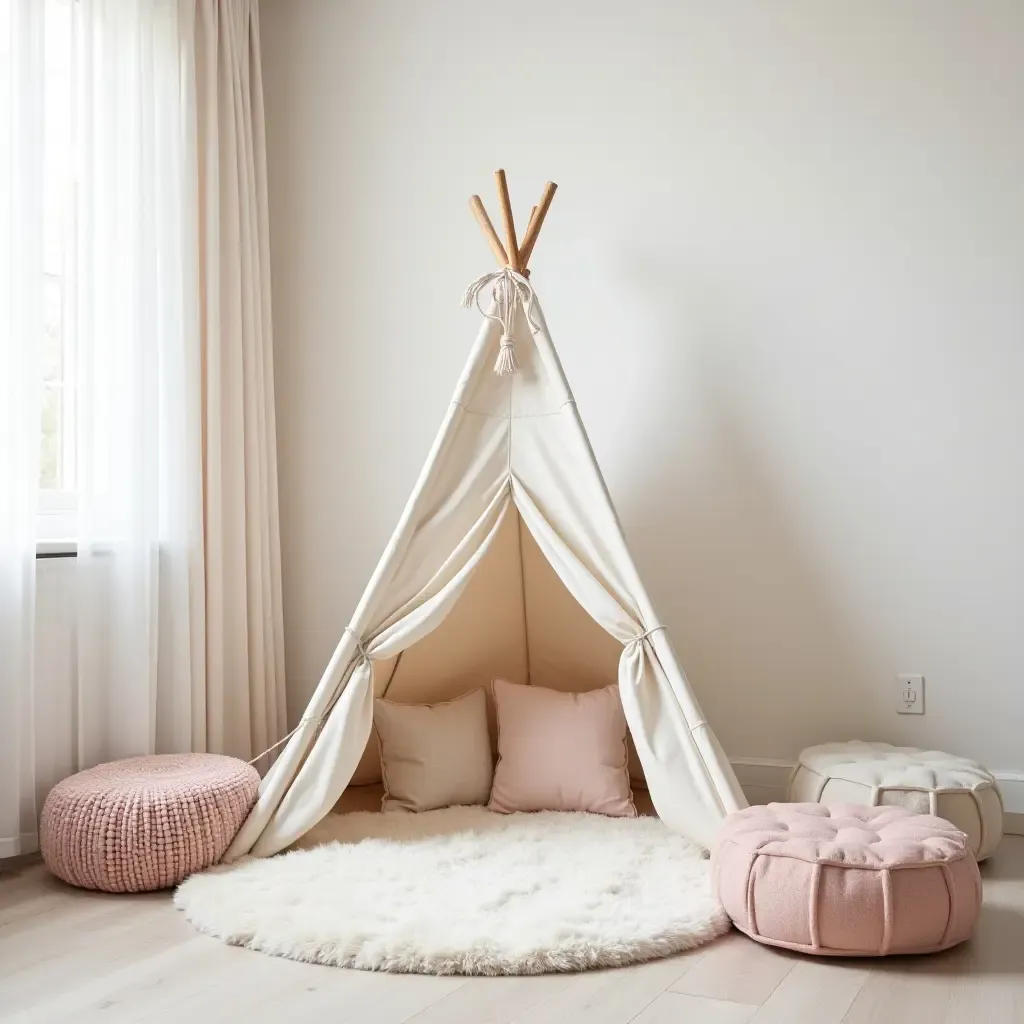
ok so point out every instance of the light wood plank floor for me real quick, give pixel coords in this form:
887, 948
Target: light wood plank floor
69, 955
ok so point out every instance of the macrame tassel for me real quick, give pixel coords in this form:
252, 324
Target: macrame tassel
506, 363
508, 288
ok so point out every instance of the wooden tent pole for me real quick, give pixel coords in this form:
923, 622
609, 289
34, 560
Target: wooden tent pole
476, 204
533, 214
511, 248
529, 224
512, 254
536, 223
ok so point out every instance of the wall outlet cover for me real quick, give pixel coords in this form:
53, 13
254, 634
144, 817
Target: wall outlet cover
909, 694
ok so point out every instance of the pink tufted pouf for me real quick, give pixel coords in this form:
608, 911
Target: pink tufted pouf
145, 822
847, 880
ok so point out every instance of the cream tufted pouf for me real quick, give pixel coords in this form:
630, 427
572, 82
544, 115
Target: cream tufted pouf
145, 822
924, 781
846, 881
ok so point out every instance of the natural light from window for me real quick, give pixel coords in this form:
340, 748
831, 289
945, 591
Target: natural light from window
57, 453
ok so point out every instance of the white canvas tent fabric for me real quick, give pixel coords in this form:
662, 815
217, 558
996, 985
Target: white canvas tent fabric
509, 445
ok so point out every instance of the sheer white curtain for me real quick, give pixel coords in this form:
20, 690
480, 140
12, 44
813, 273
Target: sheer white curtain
180, 621
178, 633
21, 322
136, 338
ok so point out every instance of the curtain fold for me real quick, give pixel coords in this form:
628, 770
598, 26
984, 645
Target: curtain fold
680, 758
21, 331
136, 341
180, 621
244, 620
178, 630
325, 750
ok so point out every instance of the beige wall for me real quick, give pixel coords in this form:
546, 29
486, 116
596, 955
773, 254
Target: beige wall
785, 271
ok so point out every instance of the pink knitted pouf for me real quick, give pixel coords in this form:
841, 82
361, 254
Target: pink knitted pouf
145, 822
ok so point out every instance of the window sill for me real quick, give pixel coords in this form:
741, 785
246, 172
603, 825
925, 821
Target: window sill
56, 549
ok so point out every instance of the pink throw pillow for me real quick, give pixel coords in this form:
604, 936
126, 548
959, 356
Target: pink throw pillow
560, 751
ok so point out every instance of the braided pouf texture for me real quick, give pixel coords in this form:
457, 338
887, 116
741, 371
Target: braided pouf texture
145, 822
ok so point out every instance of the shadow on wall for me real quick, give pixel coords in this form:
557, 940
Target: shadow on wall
755, 623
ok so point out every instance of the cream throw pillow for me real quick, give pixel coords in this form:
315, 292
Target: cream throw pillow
434, 755
560, 751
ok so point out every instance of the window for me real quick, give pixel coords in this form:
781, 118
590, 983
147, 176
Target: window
57, 502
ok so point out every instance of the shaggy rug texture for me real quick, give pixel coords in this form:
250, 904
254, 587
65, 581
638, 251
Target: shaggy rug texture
465, 891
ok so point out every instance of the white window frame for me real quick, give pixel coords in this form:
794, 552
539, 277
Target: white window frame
57, 519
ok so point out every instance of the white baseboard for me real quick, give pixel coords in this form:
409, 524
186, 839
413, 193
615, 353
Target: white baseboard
1011, 785
766, 779
19, 846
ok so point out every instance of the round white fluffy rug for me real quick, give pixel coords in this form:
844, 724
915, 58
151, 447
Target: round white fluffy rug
465, 891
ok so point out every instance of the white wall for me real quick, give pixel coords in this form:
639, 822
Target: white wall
784, 270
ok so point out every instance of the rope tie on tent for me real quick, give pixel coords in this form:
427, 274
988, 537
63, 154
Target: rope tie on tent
306, 719
508, 290
641, 637
359, 642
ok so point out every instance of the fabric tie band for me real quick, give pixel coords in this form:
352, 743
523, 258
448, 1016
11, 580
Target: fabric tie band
640, 637
359, 643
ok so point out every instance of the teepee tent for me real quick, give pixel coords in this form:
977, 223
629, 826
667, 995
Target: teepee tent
508, 560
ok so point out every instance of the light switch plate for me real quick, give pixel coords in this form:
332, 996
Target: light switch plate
909, 695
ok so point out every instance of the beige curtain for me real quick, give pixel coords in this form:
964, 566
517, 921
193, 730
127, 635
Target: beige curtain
245, 698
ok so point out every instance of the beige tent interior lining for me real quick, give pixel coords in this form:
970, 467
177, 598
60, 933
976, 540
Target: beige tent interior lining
517, 620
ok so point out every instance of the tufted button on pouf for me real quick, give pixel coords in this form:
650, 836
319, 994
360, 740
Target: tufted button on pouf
846, 881
925, 781
145, 822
